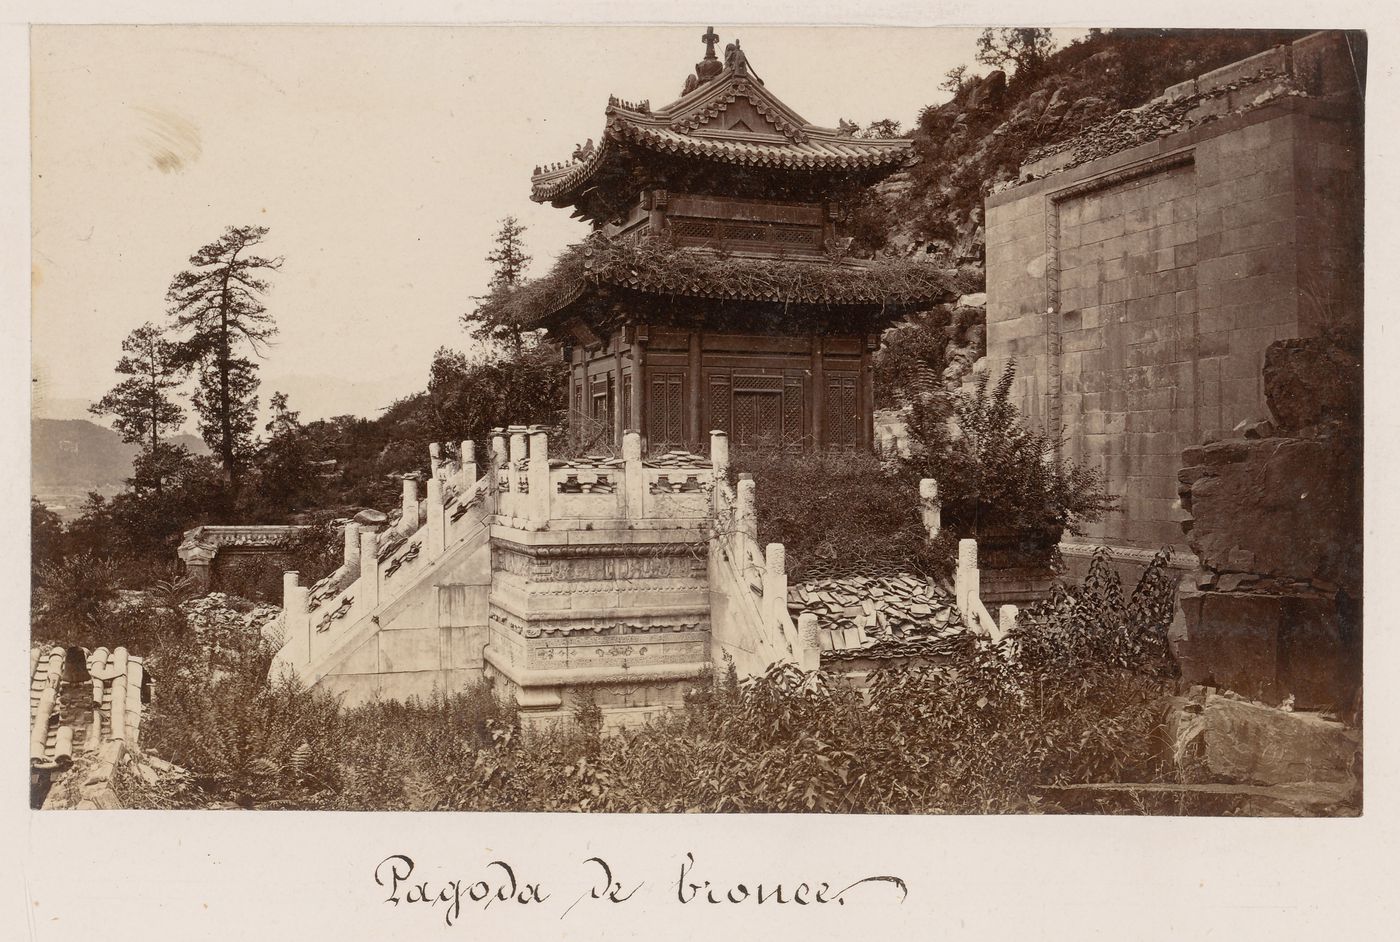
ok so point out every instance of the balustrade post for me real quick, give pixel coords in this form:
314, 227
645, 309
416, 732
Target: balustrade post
635, 476
468, 461
929, 507
1006, 618
437, 524
746, 513
538, 476
810, 657
719, 461
351, 561
409, 521
775, 581
967, 583
368, 590
434, 458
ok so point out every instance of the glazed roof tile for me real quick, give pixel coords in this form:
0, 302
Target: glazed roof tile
880, 617
787, 141
80, 699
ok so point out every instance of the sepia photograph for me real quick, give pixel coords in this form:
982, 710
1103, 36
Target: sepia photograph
697, 419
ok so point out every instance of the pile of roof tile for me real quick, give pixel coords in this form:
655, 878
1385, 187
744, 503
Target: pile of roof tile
79, 699
890, 616
677, 458
587, 462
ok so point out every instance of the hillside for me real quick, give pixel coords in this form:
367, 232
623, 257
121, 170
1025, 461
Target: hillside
975, 143
78, 455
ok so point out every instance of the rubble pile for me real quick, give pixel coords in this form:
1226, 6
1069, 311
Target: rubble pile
677, 458
880, 616
587, 463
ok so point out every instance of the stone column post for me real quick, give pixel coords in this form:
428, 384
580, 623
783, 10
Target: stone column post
719, 454
437, 524
513, 502
746, 513
409, 522
1006, 619
810, 657
538, 475
775, 581
518, 451
498, 447
468, 460
967, 583
635, 483
296, 625
367, 592
929, 507
291, 580
434, 458
351, 562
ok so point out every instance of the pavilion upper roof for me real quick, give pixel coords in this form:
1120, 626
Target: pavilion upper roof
726, 118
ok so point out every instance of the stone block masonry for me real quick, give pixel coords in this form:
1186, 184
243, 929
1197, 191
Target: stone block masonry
1137, 292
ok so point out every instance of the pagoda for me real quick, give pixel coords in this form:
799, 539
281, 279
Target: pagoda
715, 292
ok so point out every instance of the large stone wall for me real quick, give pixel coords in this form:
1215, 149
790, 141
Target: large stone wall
1137, 292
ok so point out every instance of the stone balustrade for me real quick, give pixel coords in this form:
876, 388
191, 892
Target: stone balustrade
749, 614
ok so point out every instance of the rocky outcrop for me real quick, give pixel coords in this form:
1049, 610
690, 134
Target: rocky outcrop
1276, 524
1287, 762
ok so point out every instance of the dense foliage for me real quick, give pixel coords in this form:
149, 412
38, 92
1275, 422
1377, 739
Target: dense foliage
1073, 696
998, 475
839, 512
975, 141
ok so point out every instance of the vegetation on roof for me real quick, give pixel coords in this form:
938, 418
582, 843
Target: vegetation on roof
656, 265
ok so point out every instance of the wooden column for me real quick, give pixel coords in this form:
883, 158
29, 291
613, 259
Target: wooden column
697, 434
639, 384
867, 392
818, 391
619, 420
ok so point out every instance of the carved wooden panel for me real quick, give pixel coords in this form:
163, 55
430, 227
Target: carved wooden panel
666, 409
842, 418
793, 412
758, 417
719, 402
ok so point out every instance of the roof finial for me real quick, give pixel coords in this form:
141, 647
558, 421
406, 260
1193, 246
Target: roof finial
708, 67
709, 39
735, 59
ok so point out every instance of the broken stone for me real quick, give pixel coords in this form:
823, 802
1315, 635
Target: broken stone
1249, 743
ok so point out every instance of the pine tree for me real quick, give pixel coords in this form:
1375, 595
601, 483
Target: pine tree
1025, 48
218, 302
510, 262
141, 403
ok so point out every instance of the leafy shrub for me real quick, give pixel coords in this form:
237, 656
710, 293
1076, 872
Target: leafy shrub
1073, 696
836, 512
998, 477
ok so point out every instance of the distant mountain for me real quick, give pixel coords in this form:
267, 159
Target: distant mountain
78, 455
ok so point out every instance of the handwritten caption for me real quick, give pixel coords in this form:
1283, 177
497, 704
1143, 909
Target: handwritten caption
598, 884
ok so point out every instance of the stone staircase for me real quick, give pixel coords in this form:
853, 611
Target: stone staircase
631, 579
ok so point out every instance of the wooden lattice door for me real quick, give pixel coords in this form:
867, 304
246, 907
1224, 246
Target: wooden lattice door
666, 409
842, 410
758, 411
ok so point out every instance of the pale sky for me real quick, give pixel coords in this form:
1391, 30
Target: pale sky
381, 159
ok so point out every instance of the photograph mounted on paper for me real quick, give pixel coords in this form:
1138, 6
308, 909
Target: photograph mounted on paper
989, 443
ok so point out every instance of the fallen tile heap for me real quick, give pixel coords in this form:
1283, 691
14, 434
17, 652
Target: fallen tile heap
882, 617
677, 458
